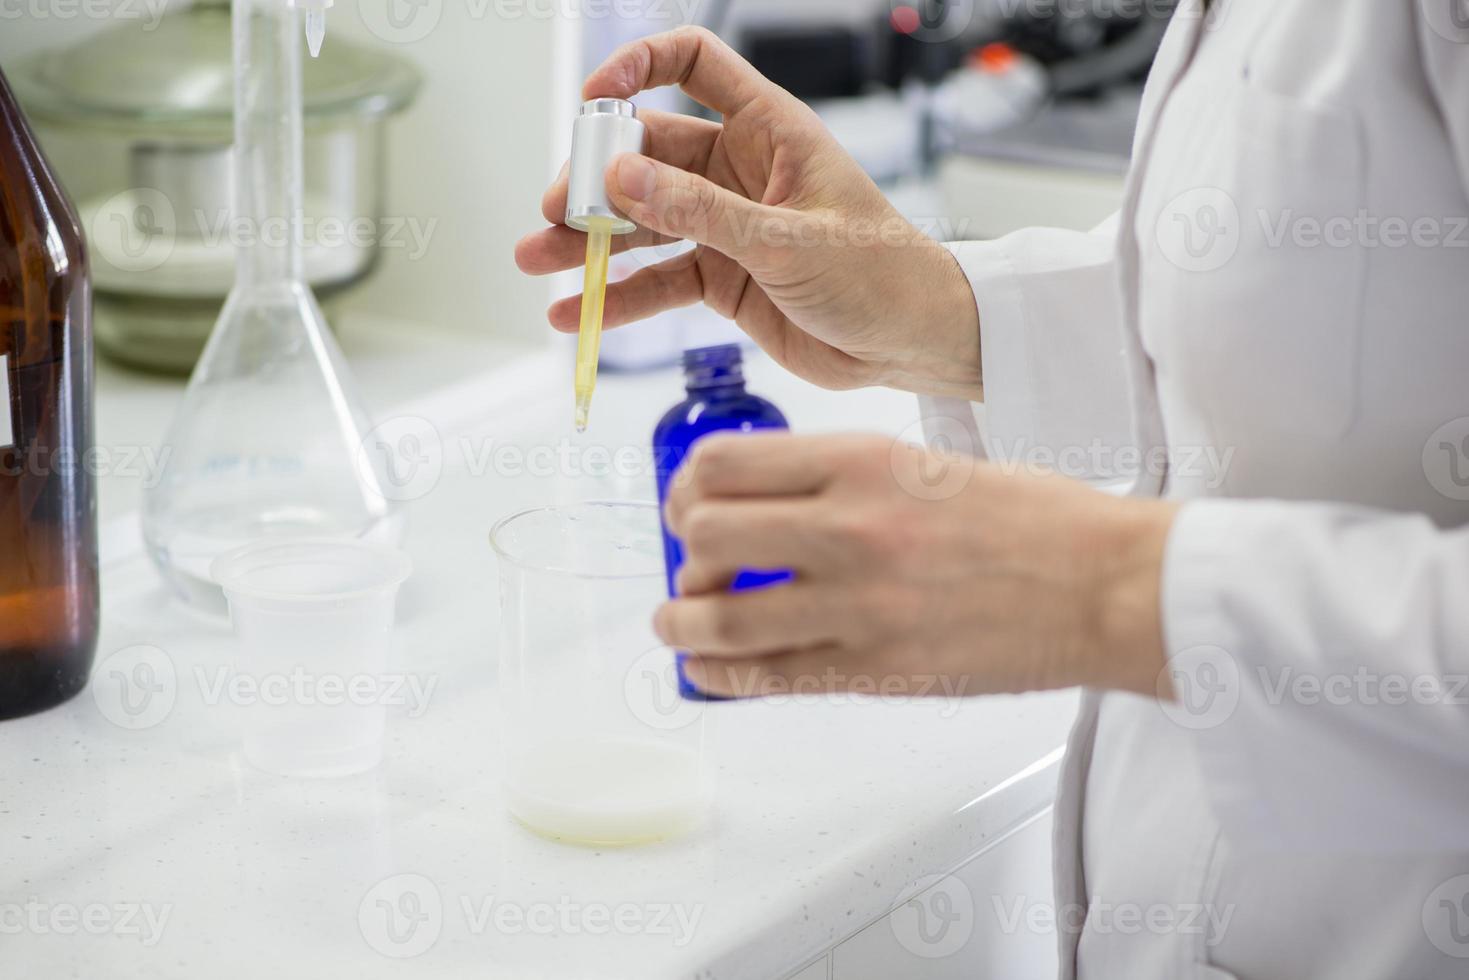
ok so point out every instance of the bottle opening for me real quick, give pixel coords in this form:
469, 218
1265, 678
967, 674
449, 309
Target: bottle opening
711, 367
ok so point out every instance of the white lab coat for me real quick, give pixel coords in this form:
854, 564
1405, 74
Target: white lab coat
1307, 372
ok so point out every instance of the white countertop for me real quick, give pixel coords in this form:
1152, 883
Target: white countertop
159, 853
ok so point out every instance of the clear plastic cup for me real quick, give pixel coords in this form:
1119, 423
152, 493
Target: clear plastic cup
599, 747
313, 621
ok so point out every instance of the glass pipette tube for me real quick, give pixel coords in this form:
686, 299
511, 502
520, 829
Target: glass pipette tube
593, 307
315, 17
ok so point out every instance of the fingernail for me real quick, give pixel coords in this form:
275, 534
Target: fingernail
693, 677
636, 176
660, 623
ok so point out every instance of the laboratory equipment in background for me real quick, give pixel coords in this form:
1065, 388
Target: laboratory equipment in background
48, 506
1059, 88
717, 401
999, 88
1086, 49
604, 130
598, 746
139, 120
905, 85
313, 618
812, 62
868, 71
845, 49
270, 439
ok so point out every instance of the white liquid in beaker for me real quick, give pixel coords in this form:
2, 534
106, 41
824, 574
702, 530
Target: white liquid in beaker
623, 791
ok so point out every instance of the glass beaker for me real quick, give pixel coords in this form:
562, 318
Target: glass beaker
313, 621
599, 746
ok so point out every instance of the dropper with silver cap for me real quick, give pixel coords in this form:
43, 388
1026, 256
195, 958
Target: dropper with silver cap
605, 129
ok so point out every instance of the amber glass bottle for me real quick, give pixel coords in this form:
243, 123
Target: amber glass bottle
48, 513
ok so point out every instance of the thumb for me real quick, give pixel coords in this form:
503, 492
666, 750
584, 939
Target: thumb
679, 204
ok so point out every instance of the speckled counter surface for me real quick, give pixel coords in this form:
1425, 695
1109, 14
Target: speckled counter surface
138, 844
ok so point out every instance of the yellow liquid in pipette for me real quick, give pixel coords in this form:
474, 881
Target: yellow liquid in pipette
593, 305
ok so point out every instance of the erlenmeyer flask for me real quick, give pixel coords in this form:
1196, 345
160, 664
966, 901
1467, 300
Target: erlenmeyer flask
268, 441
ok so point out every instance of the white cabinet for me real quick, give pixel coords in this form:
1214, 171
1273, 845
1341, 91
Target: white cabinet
989, 919
820, 970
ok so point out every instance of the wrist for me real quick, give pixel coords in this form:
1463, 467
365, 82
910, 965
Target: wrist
941, 355
1130, 653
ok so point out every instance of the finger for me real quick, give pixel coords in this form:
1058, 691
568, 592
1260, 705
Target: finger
679, 141
647, 292
685, 205
720, 537
559, 248
553, 202
762, 621
755, 464
693, 58
702, 578
801, 672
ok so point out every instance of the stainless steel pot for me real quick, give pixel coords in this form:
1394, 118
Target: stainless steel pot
139, 124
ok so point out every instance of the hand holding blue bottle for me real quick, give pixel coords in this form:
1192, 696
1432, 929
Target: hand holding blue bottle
1012, 583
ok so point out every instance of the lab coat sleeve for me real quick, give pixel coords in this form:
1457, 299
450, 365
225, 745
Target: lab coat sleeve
1321, 654
1055, 380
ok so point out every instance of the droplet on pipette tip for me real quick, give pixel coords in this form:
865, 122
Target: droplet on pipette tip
583, 412
315, 30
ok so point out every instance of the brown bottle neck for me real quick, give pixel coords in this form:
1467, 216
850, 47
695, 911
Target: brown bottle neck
33, 198
43, 268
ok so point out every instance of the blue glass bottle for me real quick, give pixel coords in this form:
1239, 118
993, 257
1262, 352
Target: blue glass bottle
717, 402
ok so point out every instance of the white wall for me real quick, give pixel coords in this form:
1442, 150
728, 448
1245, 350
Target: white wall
489, 132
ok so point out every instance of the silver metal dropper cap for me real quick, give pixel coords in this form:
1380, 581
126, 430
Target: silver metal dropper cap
605, 129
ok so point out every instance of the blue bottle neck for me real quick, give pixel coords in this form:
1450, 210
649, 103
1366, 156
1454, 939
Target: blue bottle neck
715, 382
714, 372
